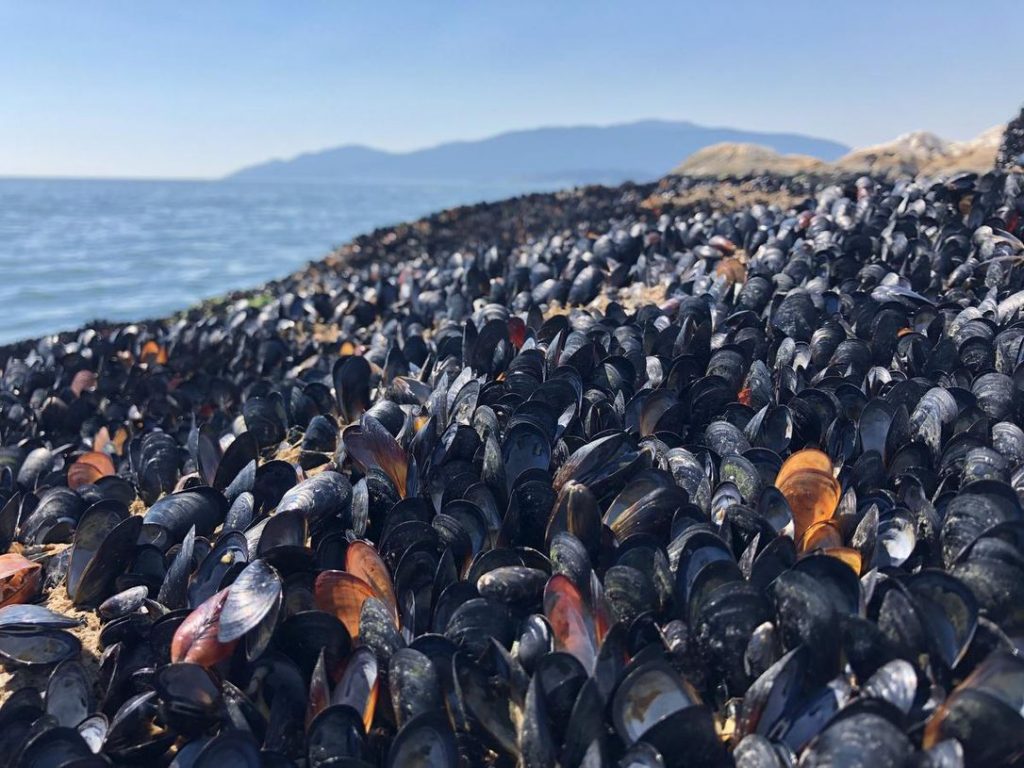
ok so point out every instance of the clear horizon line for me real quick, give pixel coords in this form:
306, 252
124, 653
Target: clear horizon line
419, 148
541, 184
66, 177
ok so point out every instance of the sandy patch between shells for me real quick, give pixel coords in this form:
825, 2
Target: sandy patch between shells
14, 678
630, 298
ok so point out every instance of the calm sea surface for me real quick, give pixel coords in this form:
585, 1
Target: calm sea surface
76, 250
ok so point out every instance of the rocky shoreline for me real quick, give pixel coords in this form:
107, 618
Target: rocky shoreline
669, 196
694, 473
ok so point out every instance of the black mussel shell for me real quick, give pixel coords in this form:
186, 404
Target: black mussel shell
42, 648
170, 518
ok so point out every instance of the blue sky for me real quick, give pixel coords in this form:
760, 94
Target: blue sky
197, 89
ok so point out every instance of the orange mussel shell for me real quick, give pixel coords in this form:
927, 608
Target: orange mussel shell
802, 461
362, 561
89, 468
342, 594
821, 534
19, 579
153, 353
572, 622
807, 482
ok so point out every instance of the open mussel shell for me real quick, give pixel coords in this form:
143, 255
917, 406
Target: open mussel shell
282, 542
645, 697
948, 611
207, 452
236, 469
655, 705
773, 693
525, 447
773, 507
31, 616
648, 507
42, 648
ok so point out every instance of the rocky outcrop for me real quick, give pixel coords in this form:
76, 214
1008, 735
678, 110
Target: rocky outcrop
911, 154
735, 159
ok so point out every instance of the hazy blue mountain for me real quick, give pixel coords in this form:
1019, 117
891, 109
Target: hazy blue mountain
579, 154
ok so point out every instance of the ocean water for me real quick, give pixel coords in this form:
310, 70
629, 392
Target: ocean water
77, 250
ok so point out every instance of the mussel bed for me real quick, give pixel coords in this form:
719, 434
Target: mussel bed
685, 474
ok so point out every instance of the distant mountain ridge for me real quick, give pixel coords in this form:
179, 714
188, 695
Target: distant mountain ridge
639, 151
